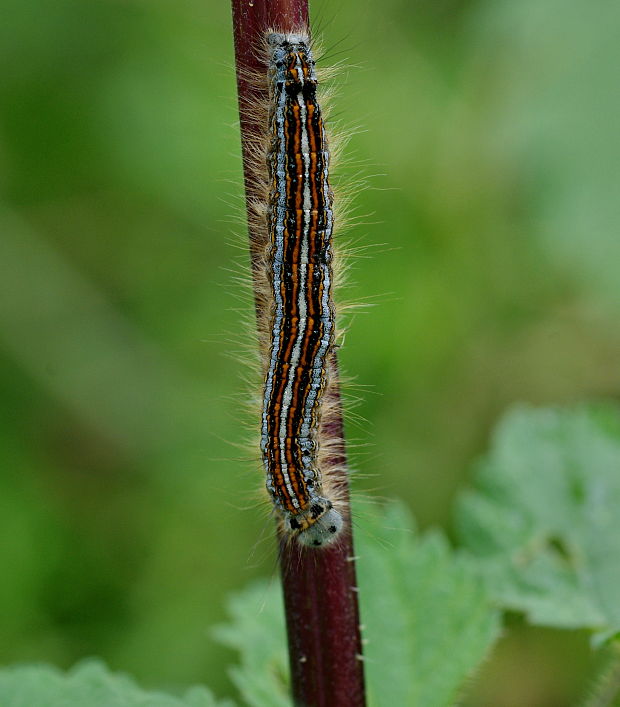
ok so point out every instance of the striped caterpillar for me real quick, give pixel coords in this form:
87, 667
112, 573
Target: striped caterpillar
298, 327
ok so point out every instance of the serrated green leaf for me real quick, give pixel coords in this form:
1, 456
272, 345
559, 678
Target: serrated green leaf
257, 632
544, 516
89, 684
428, 621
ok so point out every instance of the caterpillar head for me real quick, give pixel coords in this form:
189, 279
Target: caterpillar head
321, 525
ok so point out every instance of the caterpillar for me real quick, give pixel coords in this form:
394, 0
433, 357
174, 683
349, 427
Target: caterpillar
299, 326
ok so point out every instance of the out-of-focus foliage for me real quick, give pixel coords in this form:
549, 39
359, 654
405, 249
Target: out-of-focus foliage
90, 685
543, 518
428, 620
127, 513
256, 630
541, 532
557, 119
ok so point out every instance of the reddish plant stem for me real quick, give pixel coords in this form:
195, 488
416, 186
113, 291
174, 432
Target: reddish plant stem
320, 589
251, 18
322, 616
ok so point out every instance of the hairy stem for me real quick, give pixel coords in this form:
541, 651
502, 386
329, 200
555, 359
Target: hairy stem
320, 590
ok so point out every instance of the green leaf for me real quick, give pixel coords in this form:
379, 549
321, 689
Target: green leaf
428, 621
89, 684
428, 618
257, 632
544, 516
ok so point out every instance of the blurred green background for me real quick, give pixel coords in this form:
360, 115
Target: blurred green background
127, 508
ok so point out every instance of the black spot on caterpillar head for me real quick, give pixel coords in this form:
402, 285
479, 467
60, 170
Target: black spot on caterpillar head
316, 510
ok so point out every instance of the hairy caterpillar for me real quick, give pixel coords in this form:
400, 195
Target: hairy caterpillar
298, 326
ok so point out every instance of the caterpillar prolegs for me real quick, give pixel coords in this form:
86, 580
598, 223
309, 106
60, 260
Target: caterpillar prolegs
298, 264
